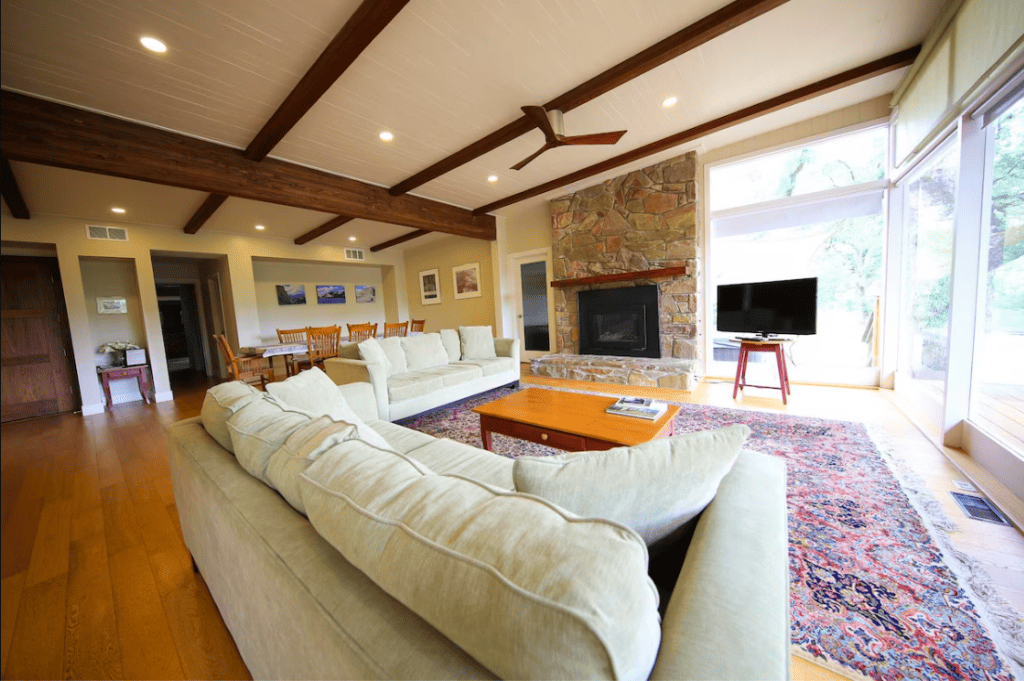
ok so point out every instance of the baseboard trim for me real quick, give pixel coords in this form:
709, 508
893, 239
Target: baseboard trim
93, 409
166, 396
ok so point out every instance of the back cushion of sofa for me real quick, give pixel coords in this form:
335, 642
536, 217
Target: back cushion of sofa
258, 430
477, 562
220, 403
393, 350
452, 344
424, 351
477, 342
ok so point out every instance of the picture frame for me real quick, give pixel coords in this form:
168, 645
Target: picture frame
366, 294
466, 281
291, 294
112, 305
330, 294
430, 287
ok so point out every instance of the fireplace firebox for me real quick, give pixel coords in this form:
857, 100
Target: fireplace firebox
621, 321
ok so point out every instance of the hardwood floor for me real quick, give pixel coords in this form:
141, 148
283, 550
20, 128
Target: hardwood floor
97, 582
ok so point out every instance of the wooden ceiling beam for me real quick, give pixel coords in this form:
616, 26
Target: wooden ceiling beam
845, 79
37, 131
328, 226
11, 192
363, 26
715, 24
398, 240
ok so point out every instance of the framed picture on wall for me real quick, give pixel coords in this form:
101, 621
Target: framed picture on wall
112, 305
467, 281
366, 294
291, 294
330, 295
430, 290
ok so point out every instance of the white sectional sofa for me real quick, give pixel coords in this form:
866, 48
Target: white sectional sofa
413, 374
419, 559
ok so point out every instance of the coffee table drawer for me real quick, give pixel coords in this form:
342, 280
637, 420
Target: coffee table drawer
543, 436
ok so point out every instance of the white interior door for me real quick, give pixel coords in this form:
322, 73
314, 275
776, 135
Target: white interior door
532, 296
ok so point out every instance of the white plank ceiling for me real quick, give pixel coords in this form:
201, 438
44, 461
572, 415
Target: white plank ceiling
443, 74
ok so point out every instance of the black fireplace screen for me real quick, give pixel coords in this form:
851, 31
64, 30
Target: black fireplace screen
621, 321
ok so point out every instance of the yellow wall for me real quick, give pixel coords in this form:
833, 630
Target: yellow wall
443, 255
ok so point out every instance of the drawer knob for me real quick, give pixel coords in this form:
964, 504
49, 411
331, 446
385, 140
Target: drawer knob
543, 436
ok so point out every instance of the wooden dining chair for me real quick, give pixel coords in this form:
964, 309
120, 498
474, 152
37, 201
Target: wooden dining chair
291, 362
418, 325
245, 368
361, 332
323, 342
396, 329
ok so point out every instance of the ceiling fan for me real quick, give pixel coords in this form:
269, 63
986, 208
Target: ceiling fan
550, 123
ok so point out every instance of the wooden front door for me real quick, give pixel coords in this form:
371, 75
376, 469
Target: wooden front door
38, 371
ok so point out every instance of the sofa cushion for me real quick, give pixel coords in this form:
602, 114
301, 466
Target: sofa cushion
448, 457
301, 449
454, 374
258, 430
220, 403
413, 384
492, 366
452, 344
401, 439
424, 351
371, 351
477, 562
312, 393
477, 342
656, 487
393, 350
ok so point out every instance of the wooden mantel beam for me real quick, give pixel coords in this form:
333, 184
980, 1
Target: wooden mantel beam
696, 34
11, 192
37, 131
844, 79
362, 27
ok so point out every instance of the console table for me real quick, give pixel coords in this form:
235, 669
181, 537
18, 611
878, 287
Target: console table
773, 345
138, 372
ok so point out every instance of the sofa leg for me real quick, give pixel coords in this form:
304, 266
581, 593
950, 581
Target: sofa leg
514, 385
195, 568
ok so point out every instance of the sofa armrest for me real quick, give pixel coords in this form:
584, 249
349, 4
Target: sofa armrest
507, 347
362, 399
345, 371
734, 585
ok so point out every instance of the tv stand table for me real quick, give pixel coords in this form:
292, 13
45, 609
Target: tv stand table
773, 345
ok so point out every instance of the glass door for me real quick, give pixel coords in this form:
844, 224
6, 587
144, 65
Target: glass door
532, 301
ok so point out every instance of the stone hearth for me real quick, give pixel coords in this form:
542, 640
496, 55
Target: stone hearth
663, 373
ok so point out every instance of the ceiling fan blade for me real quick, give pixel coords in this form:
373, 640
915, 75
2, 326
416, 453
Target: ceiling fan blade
521, 164
596, 138
539, 116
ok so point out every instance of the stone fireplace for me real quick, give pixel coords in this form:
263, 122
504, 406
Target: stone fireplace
638, 222
620, 321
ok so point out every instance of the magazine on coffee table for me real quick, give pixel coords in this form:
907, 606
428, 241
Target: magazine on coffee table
638, 407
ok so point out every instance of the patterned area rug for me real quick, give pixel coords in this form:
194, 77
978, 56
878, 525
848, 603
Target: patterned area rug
870, 589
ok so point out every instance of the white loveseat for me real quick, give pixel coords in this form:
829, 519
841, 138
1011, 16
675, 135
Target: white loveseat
413, 374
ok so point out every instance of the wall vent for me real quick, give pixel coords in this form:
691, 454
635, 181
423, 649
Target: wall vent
355, 254
978, 508
106, 233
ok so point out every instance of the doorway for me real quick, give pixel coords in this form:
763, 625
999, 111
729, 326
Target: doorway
39, 375
181, 328
531, 271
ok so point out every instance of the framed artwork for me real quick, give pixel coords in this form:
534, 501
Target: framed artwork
112, 305
366, 294
467, 281
291, 294
330, 295
430, 289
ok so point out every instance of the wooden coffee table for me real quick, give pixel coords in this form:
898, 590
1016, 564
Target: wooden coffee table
569, 421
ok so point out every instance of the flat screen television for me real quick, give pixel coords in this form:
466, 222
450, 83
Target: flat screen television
768, 308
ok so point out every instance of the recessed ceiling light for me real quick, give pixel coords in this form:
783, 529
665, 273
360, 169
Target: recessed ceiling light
670, 102
119, 211
387, 136
152, 44
351, 238
492, 178
260, 227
